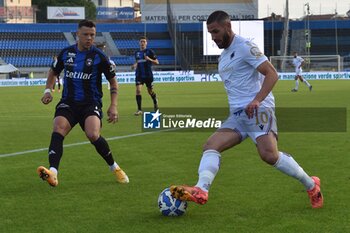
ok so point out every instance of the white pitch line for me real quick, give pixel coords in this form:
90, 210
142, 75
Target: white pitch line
83, 143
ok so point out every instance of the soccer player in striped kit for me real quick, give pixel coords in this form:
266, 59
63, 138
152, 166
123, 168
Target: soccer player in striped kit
82, 65
145, 58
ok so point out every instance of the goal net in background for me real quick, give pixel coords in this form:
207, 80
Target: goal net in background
312, 63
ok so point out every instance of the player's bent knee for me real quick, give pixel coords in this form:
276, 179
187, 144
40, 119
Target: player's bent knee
268, 156
92, 136
150, 91
61, 130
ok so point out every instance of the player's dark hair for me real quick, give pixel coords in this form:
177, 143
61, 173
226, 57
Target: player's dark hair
218, 16
143, 38
86, 23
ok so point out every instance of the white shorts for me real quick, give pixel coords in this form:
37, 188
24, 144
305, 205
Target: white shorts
254, 127
298, 71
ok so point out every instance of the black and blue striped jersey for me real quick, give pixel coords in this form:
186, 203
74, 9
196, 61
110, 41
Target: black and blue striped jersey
82, 78
144, 67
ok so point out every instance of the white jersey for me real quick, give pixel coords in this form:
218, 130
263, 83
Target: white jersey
297, 62
238, 69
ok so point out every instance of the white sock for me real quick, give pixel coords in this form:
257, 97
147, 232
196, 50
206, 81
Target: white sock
54, 170
296, 84
289, 166
307, 83
113, 167
208, 168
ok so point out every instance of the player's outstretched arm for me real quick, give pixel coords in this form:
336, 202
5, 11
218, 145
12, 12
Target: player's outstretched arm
51, 79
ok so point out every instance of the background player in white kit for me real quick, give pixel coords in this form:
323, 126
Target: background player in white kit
298, 63
241, 66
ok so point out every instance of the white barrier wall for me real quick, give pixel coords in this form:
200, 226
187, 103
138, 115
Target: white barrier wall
22, 82
178, 76
316, 75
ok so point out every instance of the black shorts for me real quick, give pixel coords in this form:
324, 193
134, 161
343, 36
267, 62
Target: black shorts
147, 81
77, 113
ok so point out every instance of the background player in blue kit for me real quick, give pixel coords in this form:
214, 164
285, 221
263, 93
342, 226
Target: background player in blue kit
145, 58
81, 102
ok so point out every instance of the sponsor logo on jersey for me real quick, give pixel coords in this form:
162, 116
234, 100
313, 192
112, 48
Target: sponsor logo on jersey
71, 55
77, 75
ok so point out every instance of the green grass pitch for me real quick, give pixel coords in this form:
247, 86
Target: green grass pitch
246, 196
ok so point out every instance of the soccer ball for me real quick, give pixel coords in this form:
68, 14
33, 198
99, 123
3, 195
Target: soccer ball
170, 206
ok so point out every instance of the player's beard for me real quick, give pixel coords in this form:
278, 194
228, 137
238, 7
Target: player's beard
225, 42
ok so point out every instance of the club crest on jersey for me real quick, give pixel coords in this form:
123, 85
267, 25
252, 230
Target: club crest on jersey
88, 62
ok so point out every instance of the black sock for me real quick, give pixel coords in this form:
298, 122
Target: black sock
102, 148
55, 149
138, 101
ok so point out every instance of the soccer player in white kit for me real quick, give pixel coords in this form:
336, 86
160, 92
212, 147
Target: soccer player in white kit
248, 78
298, 63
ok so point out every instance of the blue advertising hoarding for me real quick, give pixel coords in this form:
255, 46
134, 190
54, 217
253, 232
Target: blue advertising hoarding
119, 13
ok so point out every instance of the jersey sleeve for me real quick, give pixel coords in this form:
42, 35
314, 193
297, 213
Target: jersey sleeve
252, 54
57, 64
151, 54
107, 67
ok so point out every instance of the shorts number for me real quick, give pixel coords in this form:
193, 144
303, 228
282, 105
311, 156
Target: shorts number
263, 118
